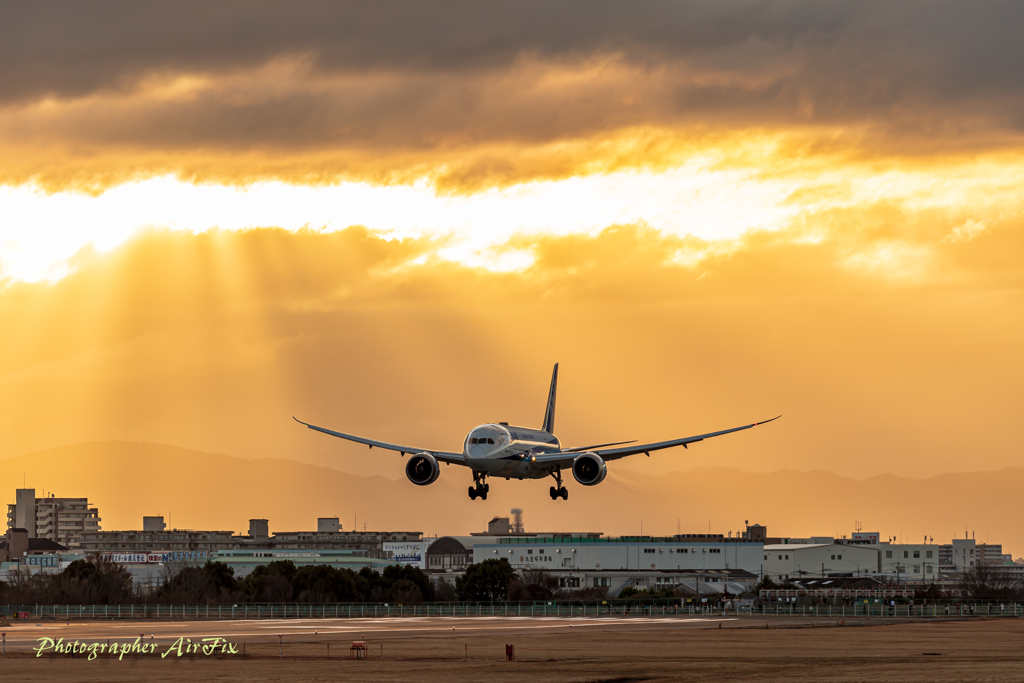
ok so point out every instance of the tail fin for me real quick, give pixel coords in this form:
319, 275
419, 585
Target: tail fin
549, 411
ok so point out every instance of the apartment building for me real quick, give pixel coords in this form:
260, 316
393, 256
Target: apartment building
61, 520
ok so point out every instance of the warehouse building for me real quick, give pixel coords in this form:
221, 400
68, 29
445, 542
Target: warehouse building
646, 553
785, 561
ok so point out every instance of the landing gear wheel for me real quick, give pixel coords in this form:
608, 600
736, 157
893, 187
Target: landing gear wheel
483, 495
472, 493
487, 489
558, 490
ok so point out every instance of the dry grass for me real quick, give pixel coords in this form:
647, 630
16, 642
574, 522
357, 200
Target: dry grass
980, 650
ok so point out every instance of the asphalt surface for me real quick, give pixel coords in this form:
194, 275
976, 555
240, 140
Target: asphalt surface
21, 637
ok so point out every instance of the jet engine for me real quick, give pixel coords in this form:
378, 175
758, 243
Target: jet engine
589, 469
422, 469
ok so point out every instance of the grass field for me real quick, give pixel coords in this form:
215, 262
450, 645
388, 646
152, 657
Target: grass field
552, 650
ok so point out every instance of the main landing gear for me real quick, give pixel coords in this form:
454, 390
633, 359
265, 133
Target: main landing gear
479, 488
560, 490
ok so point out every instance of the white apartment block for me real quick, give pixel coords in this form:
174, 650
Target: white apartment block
62, 520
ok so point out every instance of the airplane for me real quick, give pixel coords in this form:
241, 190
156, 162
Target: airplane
504, 450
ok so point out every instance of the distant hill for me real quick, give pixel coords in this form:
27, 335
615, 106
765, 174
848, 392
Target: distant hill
211, 491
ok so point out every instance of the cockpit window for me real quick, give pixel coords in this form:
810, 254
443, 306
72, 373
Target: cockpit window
472, 440
490, 440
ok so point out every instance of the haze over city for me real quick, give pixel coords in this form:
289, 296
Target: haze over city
708, 214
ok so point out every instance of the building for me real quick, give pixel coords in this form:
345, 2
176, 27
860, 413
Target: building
755, 533
908, 562
690, 564
413, 553
17, 545
259, 529
451, 553
505, 526
62, 520
328, 536
328, 524
890, 561
786, 561
156, 539
244, 560
959, 556
638, 553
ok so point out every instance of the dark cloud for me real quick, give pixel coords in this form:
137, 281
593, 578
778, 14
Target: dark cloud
790, 61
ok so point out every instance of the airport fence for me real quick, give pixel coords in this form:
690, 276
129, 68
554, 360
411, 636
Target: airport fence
538, 609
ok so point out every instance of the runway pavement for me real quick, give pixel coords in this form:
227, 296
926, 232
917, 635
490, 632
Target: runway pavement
22, 637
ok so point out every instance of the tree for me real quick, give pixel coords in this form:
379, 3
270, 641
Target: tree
323, 583
930, 592
405, 592
986, 582
222, 577
487, 581
96, 581
270, 582
394, 574
186, 585
533, 584
445, 592
371, 585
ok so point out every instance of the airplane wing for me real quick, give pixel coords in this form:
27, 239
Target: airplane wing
565, 458
442, 456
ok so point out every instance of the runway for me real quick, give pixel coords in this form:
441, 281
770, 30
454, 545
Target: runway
24, 637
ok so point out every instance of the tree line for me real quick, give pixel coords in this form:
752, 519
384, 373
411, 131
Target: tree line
98, 581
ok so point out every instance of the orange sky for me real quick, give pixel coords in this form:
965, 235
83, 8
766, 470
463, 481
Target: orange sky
393, 220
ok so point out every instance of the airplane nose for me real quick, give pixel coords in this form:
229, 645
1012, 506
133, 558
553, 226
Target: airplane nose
477, 451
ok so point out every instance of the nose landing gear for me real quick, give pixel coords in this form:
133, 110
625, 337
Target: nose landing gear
558, 490
479, 488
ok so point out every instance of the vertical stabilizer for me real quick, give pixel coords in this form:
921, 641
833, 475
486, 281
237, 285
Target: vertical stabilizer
549, 411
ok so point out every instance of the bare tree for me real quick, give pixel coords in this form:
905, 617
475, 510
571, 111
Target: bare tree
987, 582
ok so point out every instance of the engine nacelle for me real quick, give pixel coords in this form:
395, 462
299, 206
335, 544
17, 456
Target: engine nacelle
422, 469
589, 469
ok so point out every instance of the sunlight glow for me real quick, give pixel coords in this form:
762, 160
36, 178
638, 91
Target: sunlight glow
42, 232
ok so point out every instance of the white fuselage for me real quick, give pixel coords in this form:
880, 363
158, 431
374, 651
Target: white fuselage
499, 450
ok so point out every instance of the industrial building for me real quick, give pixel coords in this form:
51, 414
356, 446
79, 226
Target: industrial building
61, 520
785, 561
900, 562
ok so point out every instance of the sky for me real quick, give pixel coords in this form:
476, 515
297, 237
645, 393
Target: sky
393, 219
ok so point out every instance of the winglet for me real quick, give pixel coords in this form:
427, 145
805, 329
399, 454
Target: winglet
767, 421
300, 421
